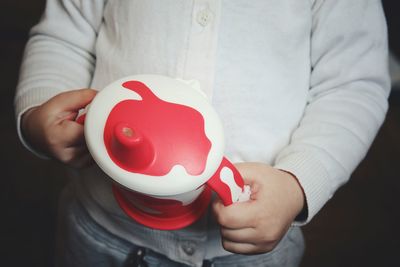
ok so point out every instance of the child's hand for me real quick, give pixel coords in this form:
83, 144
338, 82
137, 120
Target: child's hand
51, 127
256, 226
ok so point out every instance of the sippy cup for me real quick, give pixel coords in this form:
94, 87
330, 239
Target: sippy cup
162, 143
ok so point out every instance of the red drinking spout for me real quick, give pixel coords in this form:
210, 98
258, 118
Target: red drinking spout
130, 148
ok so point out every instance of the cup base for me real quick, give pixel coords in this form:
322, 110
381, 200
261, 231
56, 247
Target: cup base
156, 221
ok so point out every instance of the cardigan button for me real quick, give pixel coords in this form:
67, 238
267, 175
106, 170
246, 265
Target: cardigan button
204, 17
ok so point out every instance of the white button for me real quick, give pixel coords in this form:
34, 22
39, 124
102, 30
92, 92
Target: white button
204, 17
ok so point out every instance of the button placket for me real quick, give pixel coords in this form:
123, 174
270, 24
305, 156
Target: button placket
200, 54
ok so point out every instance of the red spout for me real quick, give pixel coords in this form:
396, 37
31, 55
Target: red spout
130, 148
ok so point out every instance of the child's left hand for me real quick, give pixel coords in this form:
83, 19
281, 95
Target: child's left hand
257, 226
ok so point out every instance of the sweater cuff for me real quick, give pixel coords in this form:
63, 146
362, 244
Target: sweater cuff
312, 177
23, 103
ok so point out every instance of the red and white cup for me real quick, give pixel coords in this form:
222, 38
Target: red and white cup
162, 143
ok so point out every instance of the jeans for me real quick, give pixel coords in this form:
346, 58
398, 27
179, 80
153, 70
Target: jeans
81, 242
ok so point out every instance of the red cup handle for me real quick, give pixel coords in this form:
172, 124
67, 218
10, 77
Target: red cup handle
82, 115
228, 184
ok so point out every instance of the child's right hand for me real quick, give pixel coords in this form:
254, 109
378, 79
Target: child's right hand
51, 128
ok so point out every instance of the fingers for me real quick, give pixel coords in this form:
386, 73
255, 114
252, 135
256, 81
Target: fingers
251, 176
73, 133
247, 248
68, 144
236, 216
71, 100
239, 248
246, 241
244, 235
242, 214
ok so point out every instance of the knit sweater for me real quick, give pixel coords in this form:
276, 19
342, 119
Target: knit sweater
301, 85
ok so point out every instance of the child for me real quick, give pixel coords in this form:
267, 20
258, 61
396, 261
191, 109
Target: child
300, 85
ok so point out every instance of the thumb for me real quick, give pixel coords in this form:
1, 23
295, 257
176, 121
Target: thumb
254, 174
248, 172
72, 100
235, 216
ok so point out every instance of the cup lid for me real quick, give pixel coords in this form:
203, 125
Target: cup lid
154, 134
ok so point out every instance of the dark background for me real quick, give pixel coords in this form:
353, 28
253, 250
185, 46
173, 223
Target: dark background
358, 227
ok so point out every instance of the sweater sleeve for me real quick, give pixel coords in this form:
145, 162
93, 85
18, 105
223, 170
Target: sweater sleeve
59, 55
347, 101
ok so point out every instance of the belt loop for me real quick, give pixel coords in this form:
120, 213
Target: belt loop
135, 258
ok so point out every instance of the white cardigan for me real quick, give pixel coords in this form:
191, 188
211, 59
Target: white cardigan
299, 84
